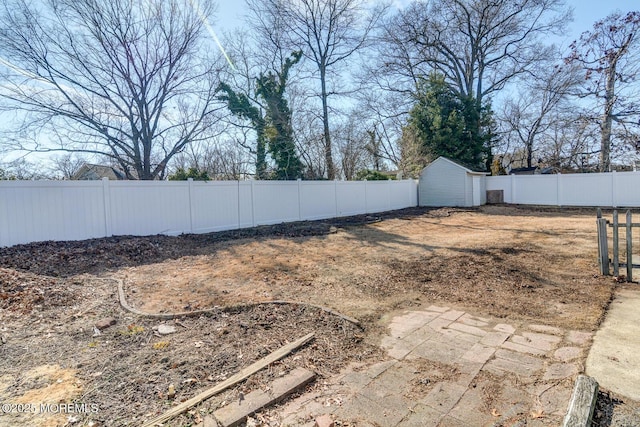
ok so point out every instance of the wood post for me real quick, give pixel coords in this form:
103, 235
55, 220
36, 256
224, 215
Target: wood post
629, 248
616, 238
603, 244
598, 217
603, 247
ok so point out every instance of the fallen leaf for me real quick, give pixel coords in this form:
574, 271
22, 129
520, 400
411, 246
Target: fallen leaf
495, 412
160, 345
537, 414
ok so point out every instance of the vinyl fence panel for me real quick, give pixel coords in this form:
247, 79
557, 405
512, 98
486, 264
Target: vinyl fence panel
611, 189
275, 202
143, 208
627, 189
585, 190
351, 198
34, 211
377, 196
216, 207
37, 211
318, 199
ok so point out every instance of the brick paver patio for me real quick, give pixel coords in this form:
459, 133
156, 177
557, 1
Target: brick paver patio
495, 373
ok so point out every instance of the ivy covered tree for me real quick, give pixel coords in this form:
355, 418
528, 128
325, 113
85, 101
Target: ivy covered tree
241, 106
450, 125
270, 117
278, 130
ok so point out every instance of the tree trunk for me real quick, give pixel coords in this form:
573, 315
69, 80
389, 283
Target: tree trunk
607, 120
261, 156
331, 173
529, 153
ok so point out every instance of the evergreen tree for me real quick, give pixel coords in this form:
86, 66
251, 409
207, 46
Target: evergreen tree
451, 126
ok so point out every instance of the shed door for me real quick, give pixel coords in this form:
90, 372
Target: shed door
477, 191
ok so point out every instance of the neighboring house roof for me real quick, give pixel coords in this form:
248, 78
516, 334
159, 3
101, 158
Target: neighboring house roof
534, 171
90, 172
523, 171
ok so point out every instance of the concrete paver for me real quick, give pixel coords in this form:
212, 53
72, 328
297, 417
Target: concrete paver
479, 353
421, 416
473, 330
471, 408
567, 353
445, 396
515, 362
522, 348
501, 374
579, 337
545, 329
555, 400
470, 320
494, 338
557, 371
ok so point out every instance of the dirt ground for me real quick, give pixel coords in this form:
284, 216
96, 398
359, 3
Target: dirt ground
531, 264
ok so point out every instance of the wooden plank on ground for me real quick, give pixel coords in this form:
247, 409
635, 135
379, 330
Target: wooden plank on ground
237, 412
240, 376
583, 402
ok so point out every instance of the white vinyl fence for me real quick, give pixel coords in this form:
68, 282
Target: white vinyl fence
32, 211
614, 189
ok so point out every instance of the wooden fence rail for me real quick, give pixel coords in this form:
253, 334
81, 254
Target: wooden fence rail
603, 245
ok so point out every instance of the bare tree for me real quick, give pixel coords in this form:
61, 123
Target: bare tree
358, 147
327, 31
22, 170
123, 79
528, 115
610, 57
66, 165
570, 143
221, 160
478, 45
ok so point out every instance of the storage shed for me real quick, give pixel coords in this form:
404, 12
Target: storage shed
446, 183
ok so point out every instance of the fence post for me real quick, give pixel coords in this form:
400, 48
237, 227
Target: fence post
559, 191
335, 196
299, 199
239, 209
629, 249
513, 190
598, 217
106, 197
190, 189
616, 255
603, 246
253, 203
366, 205
614, 189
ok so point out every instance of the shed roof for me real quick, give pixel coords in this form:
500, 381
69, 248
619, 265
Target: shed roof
469, 171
